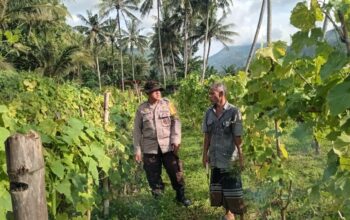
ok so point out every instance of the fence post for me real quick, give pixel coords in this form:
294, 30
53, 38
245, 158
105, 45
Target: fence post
105, 178
26, 171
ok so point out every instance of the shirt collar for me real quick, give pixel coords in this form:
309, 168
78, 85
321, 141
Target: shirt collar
226, 106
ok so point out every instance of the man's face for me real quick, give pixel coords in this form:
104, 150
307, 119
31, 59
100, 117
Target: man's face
214, 96
155, 96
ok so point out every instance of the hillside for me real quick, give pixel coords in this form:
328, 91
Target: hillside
237, 55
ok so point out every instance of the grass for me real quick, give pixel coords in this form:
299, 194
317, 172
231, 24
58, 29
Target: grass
306, 166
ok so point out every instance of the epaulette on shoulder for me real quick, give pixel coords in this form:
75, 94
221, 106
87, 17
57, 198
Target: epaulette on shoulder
166, 100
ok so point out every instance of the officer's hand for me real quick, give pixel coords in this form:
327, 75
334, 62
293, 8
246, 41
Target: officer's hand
176, 147
138, 157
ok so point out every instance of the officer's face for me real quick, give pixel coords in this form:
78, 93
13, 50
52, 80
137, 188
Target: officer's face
155, 96
214, 96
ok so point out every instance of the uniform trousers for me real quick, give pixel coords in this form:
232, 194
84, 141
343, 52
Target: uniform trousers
152, 164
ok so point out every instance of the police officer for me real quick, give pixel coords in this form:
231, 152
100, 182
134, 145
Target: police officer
157, 138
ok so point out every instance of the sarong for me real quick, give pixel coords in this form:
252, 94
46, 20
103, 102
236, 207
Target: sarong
226, 190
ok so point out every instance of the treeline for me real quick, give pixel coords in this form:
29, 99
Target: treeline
110, 47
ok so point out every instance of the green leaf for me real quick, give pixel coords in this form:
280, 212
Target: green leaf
65, 188
336, 61
97, 150
11, 38
314, 193
93, 169
338, 98
5, 197
284, 151
79, 181
3, 109
105, 163
62, 216
300, 40
317, 11
90, 132
302, 18
48, 126
344, 163
266, 52
260, 67
58, 169
76, 124
7, 121
4, 134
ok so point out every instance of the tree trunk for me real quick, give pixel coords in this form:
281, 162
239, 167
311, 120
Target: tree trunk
283, 214
105, 182
98, 72
269, 22
120, 50
132, 63
174, 64
160, 43
186, 38
324, 27
205, 42
209, 47
249, 59
26, 171
112, 59
345, 38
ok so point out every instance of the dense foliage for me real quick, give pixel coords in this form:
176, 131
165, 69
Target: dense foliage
79, 147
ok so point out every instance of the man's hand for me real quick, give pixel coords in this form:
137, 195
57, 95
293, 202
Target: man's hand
176, 148
241, 163
138, 157
205, 160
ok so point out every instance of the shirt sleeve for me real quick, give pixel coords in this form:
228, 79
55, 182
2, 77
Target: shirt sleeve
137, 133
204, 123
237, 126
175, 136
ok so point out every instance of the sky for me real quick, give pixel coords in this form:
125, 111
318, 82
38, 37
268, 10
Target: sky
244, 15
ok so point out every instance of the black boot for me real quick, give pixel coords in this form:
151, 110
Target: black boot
157, 193
180, 197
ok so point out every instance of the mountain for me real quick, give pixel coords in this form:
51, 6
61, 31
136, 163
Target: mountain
237, 55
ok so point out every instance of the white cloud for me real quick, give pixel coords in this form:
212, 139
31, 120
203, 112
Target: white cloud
245, 15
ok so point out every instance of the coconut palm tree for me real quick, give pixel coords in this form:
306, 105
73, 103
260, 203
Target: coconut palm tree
145, 9
134, 40
95, 37
184, 8
31, 13
269, 24
250, 55
215, 30
210, 5
124, 8
110, 31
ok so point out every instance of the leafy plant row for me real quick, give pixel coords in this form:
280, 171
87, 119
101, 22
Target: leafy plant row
79, 148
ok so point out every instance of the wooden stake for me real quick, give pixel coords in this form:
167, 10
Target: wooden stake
26, 171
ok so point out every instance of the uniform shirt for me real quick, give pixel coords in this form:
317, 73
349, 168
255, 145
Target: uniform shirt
156, 125
221, 133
